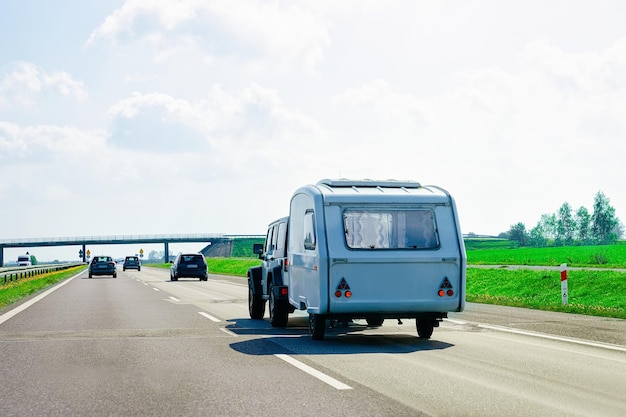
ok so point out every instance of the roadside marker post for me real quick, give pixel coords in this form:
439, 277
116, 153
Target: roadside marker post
564, 295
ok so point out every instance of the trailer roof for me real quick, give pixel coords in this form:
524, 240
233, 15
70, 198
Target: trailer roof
369, 183
386, 187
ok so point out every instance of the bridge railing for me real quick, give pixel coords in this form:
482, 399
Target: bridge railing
15, 274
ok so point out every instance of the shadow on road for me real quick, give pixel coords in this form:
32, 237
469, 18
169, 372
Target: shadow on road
351, 338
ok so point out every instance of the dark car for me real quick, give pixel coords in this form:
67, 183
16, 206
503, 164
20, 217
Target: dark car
102, 265
131, 262
189, 265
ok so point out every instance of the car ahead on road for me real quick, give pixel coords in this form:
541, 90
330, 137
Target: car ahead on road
131, 262
102, 265
189, 265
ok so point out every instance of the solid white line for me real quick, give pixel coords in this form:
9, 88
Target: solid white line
558, 338
29, 303
543, 335
313, 372
208, 316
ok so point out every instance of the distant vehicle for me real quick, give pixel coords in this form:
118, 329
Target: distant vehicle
102, 265
131, 262
24, 260
189, 265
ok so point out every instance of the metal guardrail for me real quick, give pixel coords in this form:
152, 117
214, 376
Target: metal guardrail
15, 274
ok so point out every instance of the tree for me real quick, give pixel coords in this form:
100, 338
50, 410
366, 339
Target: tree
517, 233
565, 225
583, 225
603, 220
536, 237
548, 225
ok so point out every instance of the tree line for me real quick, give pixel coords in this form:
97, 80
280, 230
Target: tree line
566, 227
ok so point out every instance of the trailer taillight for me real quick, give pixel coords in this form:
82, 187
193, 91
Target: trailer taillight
445, 288
284, 291
343, 289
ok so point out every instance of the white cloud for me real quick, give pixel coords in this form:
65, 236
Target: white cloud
283, 34
26, 83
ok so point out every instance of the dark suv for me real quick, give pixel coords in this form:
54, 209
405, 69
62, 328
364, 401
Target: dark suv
131, 262
189, 265
102, 265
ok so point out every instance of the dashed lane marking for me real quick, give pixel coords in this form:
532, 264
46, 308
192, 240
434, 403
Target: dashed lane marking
313, 372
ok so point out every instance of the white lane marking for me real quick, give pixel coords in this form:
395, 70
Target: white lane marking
544, 336
156, 289
174, 299
27, 304
145, 283
313, 372
208, 316
559, 338
228, 332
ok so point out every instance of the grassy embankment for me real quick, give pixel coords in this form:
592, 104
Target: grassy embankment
598, 293
14, 291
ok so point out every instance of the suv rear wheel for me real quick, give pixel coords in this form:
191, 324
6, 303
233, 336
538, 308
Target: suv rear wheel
256, 304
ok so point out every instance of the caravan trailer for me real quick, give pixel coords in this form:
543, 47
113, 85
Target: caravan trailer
363, 249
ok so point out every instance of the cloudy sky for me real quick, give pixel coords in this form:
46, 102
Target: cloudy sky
196, 116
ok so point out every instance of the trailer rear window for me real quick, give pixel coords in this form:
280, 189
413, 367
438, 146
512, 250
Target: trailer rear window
390, 229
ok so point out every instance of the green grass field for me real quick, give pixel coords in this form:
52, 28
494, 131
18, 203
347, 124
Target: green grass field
609, 256
16, 290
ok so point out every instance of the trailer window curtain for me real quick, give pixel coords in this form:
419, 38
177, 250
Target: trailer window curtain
390, 229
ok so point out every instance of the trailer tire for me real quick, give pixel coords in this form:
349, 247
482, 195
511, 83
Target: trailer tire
279, 315
425, 328
256, 304
317, 326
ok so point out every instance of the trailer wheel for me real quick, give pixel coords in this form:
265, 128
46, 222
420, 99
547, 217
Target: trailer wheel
317, 326
424, 328
256, 304
278, 311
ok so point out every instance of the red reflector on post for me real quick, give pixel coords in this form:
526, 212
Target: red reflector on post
284, 291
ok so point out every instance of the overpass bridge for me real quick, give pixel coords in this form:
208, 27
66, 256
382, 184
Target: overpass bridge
210, 239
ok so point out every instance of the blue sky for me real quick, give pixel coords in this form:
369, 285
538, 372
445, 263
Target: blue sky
190, 116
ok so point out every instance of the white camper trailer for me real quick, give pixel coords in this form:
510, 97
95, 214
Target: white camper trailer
364, 250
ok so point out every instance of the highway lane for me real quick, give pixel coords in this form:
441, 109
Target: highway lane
487, 361
119, 347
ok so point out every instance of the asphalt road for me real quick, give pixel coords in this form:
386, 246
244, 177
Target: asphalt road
140, 345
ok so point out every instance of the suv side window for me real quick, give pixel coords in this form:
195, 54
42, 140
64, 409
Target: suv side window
268, 240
